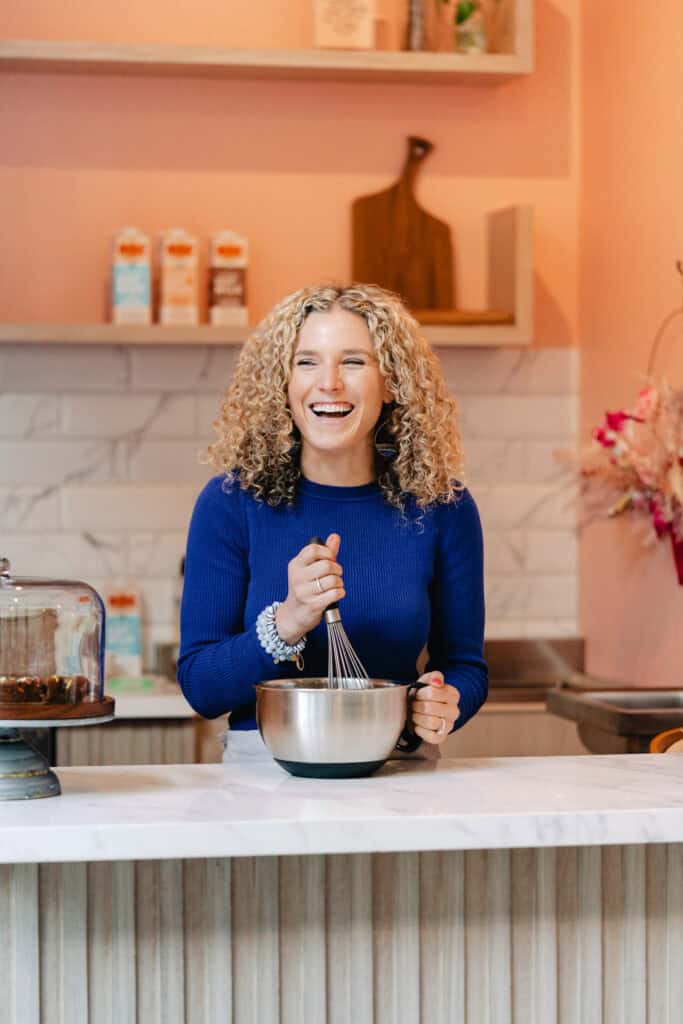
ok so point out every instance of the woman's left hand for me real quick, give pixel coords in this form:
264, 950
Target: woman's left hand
435, 708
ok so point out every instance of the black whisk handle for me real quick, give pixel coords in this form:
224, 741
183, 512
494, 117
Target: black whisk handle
319, 540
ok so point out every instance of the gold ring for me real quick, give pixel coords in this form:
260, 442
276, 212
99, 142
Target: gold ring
320, 586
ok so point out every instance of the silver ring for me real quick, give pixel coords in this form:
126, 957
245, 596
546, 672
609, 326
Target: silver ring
320, 586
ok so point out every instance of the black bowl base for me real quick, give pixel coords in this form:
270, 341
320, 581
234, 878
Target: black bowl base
352, 770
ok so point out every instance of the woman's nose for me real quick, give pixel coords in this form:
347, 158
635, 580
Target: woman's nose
330, 379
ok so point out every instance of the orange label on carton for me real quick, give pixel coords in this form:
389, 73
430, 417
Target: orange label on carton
179, 249
131, 250
229, 252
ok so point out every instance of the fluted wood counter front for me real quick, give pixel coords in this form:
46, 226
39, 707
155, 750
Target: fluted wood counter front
526, 890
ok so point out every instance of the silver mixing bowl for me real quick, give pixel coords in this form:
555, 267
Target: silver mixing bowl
313, 730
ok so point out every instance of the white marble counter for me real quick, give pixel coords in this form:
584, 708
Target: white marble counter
139, 813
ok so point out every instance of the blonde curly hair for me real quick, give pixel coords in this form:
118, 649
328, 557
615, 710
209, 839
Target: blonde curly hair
259, 444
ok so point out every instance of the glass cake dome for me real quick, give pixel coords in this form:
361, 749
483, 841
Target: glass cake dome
51, 664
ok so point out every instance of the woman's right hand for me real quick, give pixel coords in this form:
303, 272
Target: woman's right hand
307, 599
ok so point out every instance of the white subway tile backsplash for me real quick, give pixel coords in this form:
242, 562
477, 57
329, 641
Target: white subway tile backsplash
114, 416
506, 597
543, 464
81, 556
58, 461
504, 629
64, 368
158, 600
208, 409
522, 506
505, 551
550, 371
518, 418
551, 551
159, 461
128, 507
494, 462
28, 416
218, 370
29, 509
156, 554
512, 629
542, 597
553, 597
201, 369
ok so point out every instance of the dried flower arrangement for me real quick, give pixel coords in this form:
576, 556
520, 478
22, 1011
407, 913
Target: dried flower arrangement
637, 462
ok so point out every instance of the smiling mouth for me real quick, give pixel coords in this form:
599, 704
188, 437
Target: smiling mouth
331, 410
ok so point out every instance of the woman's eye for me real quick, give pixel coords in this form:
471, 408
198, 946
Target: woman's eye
354, 362
304, 362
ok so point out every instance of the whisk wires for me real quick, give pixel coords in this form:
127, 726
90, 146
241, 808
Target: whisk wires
345, 670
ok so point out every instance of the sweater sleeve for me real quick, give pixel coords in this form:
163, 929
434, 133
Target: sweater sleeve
219, 660
456, 639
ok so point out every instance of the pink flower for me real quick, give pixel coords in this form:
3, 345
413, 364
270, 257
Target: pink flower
616, 420
646, 404
604, 437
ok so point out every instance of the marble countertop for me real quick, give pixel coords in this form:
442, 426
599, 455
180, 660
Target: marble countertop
251, 809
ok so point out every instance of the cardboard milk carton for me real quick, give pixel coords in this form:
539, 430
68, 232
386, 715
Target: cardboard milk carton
228, 258
178, 278
131, 278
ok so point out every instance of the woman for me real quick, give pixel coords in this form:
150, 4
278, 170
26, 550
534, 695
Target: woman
337, 424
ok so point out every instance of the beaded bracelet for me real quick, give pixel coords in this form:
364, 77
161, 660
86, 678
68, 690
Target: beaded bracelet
272, 642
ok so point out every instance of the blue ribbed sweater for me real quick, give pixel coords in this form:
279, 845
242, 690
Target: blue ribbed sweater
407, 584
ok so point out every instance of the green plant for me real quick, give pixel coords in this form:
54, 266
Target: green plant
465, 10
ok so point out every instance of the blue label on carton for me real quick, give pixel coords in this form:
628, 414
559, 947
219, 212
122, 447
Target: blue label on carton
124, 635
131, 285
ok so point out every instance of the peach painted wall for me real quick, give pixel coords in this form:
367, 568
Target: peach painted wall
280, 162
631, 236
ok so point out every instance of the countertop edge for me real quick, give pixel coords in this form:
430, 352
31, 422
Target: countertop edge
55, 844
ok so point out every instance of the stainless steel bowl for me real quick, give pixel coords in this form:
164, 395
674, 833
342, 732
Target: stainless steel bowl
313, 730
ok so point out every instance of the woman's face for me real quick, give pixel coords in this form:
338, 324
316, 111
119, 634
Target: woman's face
335, 388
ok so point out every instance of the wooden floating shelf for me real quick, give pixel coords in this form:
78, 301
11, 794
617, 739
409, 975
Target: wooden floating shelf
507, 321
113, 334
47, 56
117, 334
458, 317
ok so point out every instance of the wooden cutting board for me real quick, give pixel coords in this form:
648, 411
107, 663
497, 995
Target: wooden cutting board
398, 245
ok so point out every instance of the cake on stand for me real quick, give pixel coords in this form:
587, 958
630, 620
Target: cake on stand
51, 673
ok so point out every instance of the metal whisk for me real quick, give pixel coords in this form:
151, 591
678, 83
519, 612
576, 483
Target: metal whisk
345, 670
